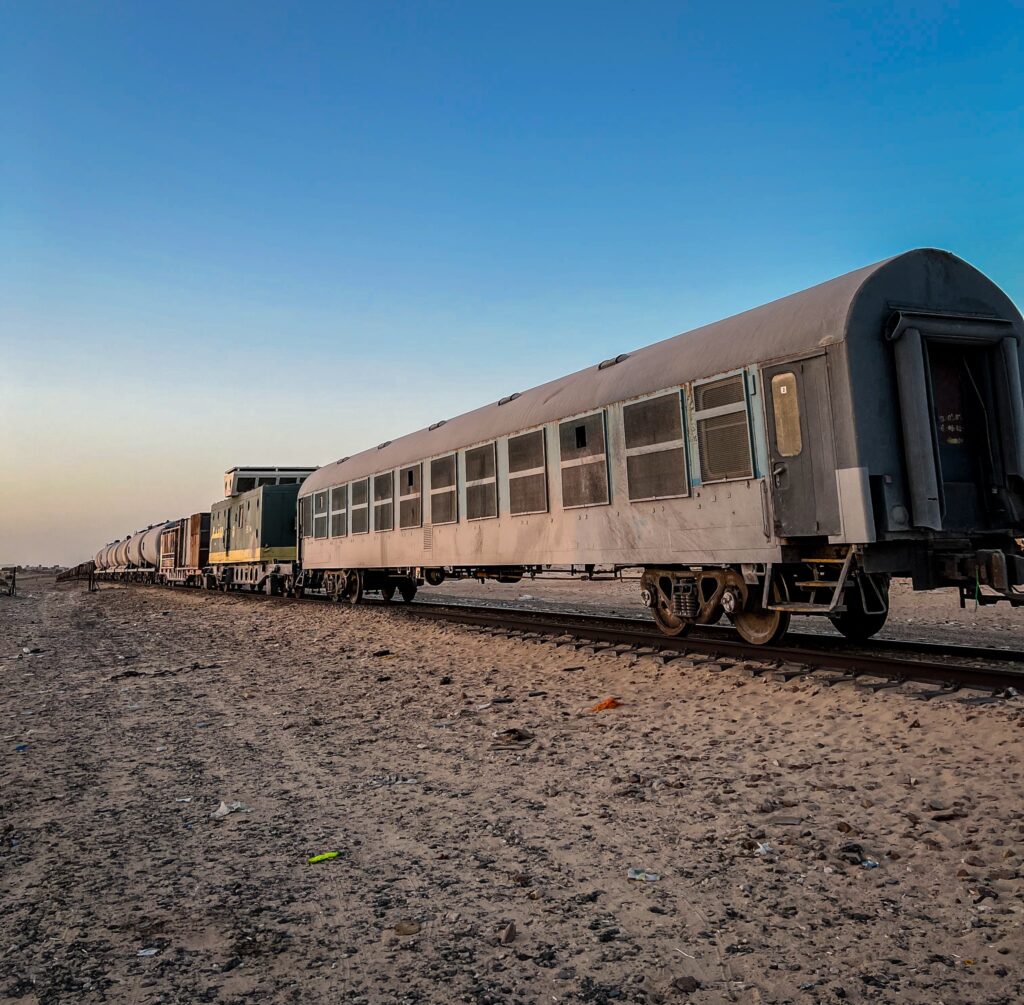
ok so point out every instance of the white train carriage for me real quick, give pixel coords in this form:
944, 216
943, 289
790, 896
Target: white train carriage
785, 460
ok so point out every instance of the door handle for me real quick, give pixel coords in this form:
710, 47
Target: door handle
778, 469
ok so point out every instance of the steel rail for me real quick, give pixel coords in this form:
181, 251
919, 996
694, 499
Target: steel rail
630, 631
794, 639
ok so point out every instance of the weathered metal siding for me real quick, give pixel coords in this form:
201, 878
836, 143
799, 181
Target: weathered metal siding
170, 545
866, 404
197, 546
256, 526
725, 522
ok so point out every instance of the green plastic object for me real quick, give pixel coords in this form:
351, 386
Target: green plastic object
326, 856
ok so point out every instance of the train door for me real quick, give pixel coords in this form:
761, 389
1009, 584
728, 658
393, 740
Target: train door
967, 458
801, 448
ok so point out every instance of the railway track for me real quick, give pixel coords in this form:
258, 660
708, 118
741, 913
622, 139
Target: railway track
800, 654
890, 661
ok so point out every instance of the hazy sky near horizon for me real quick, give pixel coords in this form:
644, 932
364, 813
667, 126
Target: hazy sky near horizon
279, 233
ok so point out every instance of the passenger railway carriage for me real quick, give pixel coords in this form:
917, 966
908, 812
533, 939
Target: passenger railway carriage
786, 460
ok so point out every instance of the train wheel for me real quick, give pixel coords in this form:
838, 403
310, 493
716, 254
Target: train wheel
388, 592
659, 601
761, 627
408, 591
669, 623
354, 587
854, 623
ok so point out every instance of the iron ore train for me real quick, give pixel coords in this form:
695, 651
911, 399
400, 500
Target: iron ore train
787, 460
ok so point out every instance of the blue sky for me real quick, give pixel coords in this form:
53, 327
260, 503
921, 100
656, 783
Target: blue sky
235, 233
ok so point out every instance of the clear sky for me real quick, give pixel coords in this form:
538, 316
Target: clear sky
237, 233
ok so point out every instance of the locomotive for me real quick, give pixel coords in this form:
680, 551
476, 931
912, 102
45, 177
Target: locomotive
788, 460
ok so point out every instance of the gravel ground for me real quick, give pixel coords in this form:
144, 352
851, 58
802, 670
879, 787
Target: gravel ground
474, 867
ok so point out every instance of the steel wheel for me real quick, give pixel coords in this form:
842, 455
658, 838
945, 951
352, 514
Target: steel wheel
761, 627
387, 592
854, 623
667, 622
354, 587
408, 591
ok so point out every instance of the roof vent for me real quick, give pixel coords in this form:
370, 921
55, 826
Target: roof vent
508, 398
605, 363
436, 425
386, 443
341, 460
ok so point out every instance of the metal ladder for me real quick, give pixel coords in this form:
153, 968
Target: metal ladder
818, 586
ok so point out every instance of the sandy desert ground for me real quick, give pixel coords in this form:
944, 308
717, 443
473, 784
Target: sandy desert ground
811, 844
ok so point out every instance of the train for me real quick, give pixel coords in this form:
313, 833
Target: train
789, 460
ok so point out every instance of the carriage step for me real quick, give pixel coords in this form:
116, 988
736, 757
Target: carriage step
795, 608
815, 583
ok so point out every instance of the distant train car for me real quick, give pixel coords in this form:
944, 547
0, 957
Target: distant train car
119, 555
253, 539
142, 553
149, 547
133, 552
787, 460
185, 551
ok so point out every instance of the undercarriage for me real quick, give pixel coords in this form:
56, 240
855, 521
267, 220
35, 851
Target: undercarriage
760, 599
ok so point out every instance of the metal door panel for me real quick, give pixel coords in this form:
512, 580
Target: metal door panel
805, 497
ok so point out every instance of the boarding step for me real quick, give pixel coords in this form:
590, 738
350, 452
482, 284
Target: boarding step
812, 584
796, 608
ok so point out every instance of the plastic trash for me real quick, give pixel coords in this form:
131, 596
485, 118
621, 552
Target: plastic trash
325, 857
603, 706
21, 748
869, 863
642, 876
147, 952
225, 808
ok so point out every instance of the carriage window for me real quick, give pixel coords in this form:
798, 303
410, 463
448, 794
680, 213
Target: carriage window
786, 406
655, 448
319, 514
359, 495
481, 483
583, 461
339, 511
383, 493
410, 508
527, 474
444, 505
244, 485
723, 429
